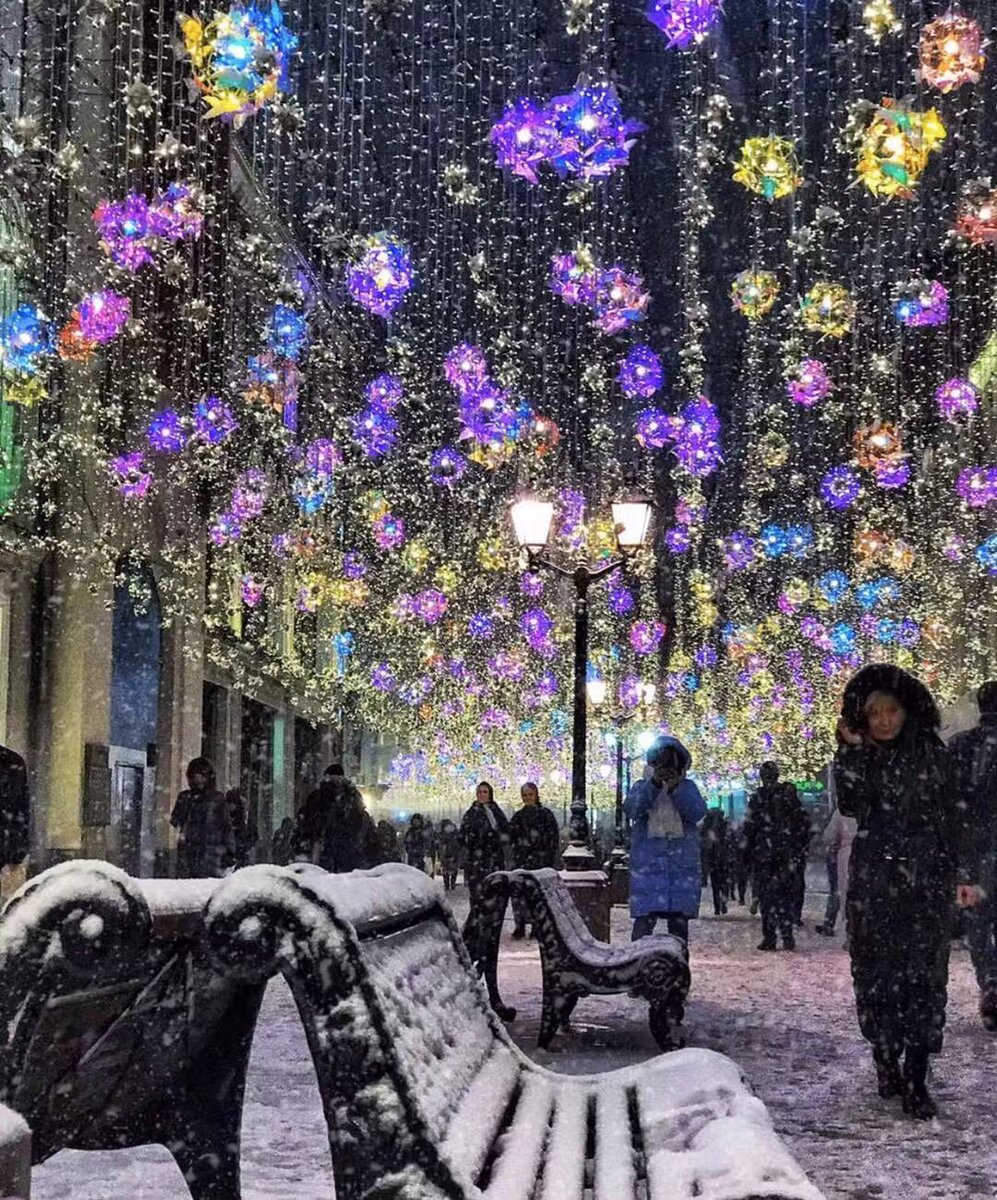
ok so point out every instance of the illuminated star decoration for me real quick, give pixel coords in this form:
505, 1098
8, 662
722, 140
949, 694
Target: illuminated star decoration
880, 19
684, 22
133, 229
840, 487
828, 309
382, 276
894, 142
375, 431
976, 220
287, 332
96, 320
240, 58
922, 303
25, 340
977, 486
213, 420
466, 368
646, 636
446, 466
641, 373
754, 293
615, 295
166, 432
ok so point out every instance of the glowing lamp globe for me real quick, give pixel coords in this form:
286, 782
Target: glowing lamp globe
531, 522
631, 518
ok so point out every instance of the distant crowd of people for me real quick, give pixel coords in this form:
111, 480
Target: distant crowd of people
911, 841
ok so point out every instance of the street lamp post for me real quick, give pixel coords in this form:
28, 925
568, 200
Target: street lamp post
619, 719
531, 520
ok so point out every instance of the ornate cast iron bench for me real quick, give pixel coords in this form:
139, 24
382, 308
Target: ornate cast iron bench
576, 964
425, 1096
114, 1029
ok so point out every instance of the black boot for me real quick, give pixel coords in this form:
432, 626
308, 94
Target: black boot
519, 933
988, 1010
888, 1075
917, 1102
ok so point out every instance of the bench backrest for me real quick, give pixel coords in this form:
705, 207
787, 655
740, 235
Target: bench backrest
383, 983
99, 972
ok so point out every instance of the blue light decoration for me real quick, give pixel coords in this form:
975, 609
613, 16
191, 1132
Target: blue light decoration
166, 433
213, 420
385, 391
840, 487
524, 138
287, 332
343, 644
799, 539
641, 373
842, 638
446, 466
381, 278
834, 586
375, 431
684, 22
312, 492
26, 339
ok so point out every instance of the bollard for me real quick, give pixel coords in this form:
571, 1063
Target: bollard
15, 1156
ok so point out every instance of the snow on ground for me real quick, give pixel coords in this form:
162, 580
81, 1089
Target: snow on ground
788, 1019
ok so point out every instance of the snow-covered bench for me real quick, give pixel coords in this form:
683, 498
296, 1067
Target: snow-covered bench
15, 1156
425, 1096
576, 964
114, 1029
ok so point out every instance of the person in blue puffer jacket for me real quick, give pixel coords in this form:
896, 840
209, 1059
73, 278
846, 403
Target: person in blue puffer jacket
664, 811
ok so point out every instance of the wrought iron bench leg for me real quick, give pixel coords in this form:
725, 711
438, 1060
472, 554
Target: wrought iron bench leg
664, 1016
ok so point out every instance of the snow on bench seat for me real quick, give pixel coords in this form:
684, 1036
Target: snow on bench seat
426, 1096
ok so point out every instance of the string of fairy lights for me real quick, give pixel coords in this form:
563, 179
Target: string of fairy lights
307, 293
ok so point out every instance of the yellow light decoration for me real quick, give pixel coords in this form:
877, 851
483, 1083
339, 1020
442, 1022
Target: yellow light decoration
754, 293
707, 614
828, 309
774, 450
900, 556
798, 591
492, 454
894, 143
23, 389
415, 557
879, 442
374, 505
769, 167
601, 538
879, 19
951, 52
447, 578
348, 593
491, 554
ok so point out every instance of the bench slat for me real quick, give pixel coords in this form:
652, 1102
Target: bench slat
479, 1114
615, 1175
564, 1168
518, 1168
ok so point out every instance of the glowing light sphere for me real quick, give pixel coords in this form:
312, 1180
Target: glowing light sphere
840, 487
240, 58
389, 531
446, 466
487, 415
25, 340
842, 637
879, 19
976, 219
481, 627
696, 442
250, 591
646, 636
809, 383
466, 368
619, 300
102, 316
986, 554
893, 143
828, 309
375, 431
133, 229
957, 399
213, 420
684, 22
977, 486
430, 605
754, 293
539, 435
321, 457
130, 476
892, 473
951, 52
834, 586
678, 539
250, 494
593, 138
769, 167
166, 433
287, 332
739, 550
655, 428
524, 138
877, 442
620, 598
641, 373
574, 276
381, 278
922, 303
311, 493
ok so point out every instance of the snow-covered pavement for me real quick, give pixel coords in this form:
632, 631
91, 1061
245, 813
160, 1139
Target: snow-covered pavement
787, 1019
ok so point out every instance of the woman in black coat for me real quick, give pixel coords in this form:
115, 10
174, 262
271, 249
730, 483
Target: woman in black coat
892, 774
484, 832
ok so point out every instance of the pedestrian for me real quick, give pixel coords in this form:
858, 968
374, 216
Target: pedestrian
244, 827
974, 756
738, 864
484, 831
894, 776
416, 842
334, 824
387, 842
535, 843
449, 850
771, 840
14, 820
202, 816
839, 834
283, 843
430, 836
714, 837
664, 813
